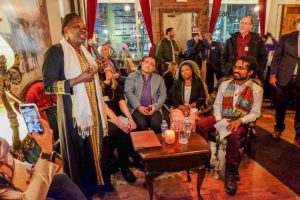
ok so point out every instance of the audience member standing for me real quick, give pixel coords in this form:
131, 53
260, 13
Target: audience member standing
285, 77
167, 51
270, 48
70, 72
213, 62
244, 43
146, 93
196, 47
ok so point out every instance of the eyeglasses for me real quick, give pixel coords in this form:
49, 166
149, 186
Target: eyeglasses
240, 68
245, 23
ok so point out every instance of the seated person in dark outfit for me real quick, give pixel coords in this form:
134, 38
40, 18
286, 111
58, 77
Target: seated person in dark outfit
146, 93
188, 92
115, 99
169, 75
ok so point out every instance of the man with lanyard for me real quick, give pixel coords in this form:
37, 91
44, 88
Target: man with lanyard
239, 102
244, 43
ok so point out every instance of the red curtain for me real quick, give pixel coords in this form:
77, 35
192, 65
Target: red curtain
262, 15
214, 14
145, 6
91, 17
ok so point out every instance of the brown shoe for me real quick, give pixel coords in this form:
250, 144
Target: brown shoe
276, 134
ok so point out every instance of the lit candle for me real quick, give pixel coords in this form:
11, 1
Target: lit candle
169, 136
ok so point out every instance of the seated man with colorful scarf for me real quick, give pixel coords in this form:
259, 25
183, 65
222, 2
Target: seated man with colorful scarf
239, 101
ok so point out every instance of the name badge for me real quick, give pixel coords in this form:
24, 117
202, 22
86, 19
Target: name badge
246, 48
213, 48
105, 98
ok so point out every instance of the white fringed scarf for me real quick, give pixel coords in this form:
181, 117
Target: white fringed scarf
81, 108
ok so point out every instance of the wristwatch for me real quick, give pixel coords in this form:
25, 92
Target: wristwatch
48, 156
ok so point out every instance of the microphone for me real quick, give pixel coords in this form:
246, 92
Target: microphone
93, 46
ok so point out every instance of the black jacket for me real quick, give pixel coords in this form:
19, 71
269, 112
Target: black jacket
214, 59
285, 58
256, 49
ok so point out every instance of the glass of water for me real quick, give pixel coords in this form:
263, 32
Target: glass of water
183, 137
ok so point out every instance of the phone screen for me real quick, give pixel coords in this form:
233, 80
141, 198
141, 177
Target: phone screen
31, 116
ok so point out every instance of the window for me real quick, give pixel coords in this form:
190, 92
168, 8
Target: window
117, 22
229, 19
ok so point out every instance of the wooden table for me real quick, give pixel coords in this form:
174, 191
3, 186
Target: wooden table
175, 157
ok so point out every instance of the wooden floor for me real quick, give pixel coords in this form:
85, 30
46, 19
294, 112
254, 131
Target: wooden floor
255, 183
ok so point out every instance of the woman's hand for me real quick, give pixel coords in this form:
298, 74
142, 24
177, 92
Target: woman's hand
44, 140
124, 127
132, 124
86, 76
185, 109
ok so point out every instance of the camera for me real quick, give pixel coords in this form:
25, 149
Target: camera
195, 34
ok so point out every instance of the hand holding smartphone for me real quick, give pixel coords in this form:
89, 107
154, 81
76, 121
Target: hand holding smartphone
32, 118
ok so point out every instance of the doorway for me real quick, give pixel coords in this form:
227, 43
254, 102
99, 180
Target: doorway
182, 23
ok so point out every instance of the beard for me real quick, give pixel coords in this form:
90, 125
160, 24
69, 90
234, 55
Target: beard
238, 77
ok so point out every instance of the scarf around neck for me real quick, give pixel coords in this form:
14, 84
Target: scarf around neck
81, 108
243, 104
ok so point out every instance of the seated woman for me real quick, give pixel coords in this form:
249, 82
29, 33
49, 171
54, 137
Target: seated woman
187, 94
115, 99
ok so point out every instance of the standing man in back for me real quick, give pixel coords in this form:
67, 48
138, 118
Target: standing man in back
285, 77
244, 43
167, 51
213, 62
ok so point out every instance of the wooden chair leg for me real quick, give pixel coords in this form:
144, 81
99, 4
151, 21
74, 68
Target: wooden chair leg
188, 175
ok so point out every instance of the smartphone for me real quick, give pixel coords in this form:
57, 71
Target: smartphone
32, 118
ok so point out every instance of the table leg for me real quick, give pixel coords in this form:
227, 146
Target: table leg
188, 175
149, 182
200, 178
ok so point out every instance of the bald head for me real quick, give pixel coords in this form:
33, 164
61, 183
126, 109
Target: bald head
246, 25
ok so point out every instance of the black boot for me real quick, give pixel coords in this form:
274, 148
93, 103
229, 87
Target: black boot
230, 180
128, 175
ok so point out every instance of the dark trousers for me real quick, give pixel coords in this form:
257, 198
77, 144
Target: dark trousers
206, 125
283, 96
63, 188
122, 142
144, 122
210, 71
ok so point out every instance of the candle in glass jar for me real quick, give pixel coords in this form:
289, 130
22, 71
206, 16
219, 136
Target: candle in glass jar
169, 136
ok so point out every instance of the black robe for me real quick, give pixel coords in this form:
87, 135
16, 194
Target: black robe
77, 153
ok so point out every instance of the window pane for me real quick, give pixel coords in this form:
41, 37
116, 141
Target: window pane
116, 22
229, 19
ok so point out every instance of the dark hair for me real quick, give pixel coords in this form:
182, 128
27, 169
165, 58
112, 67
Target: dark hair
265, 36
251, 62
168, 30
69, 17
190, 66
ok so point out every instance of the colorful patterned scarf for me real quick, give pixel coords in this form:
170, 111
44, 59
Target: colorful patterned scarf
243, 104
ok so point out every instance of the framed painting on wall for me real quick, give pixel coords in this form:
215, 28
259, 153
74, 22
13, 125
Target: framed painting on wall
288, 22
24, 28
